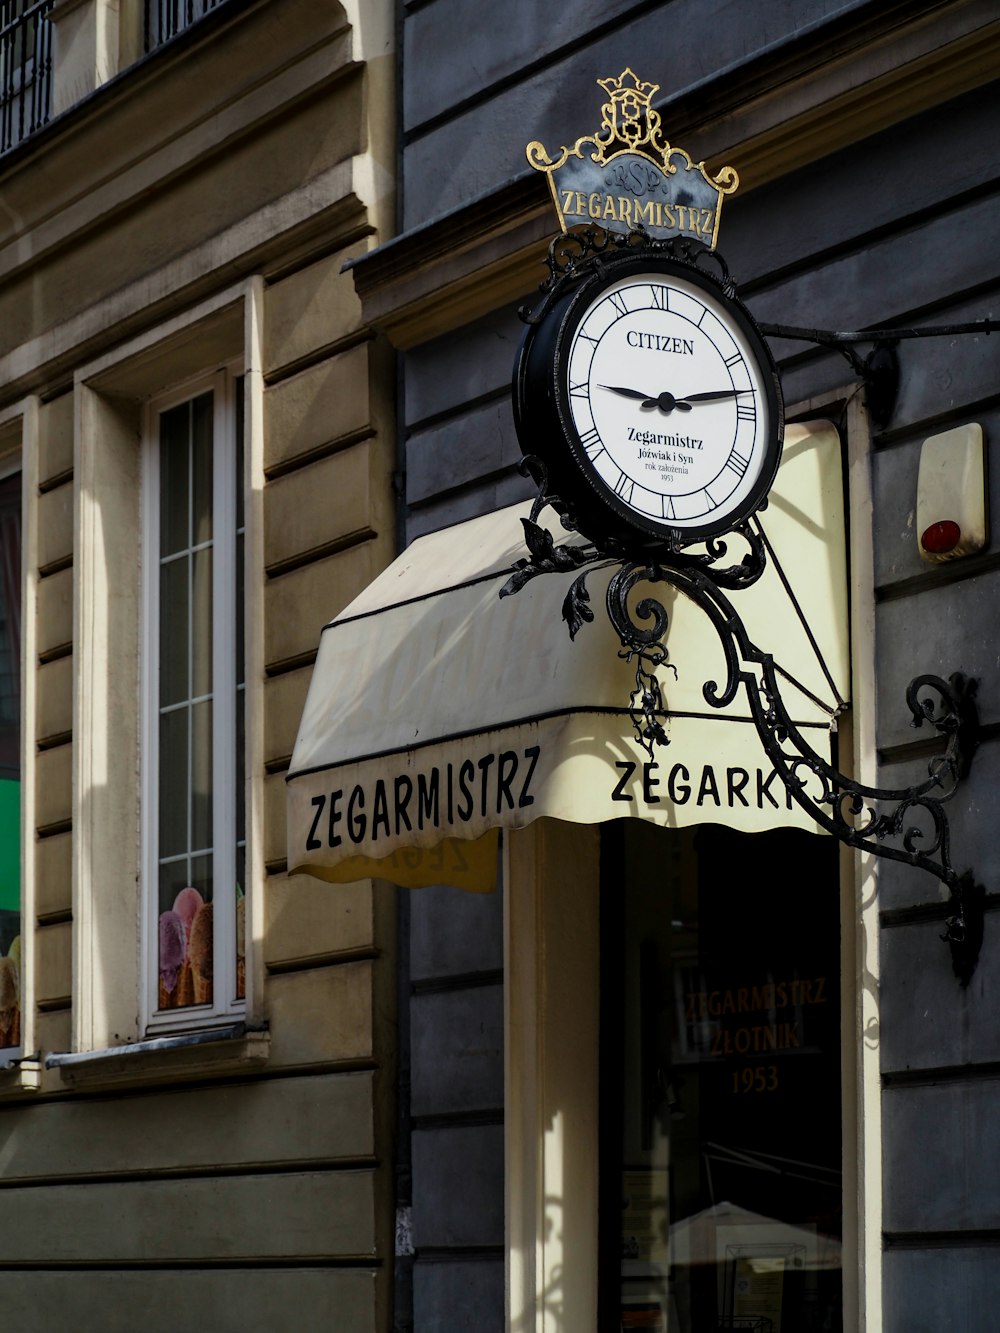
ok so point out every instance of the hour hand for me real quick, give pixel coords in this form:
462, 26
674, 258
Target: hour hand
713, 396
627, 393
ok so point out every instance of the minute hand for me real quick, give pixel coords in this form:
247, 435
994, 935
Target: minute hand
713, 396
626, 393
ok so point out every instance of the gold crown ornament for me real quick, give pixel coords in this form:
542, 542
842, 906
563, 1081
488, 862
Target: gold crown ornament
626, 176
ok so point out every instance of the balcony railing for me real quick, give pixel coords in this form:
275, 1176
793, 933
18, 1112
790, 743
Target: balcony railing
26, 56
25, 69
163, 19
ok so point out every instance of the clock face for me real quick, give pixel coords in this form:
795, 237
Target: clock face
669, 400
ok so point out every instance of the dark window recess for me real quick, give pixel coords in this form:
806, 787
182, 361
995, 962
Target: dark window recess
721, 1193
10, 764
25, 69
163, 19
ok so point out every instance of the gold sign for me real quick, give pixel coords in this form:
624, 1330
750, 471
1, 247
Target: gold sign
625, 176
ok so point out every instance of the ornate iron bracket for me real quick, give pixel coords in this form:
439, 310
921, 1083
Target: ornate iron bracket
880, 368
906, 824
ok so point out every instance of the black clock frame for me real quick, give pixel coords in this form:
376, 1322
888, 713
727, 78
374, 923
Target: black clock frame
543, 416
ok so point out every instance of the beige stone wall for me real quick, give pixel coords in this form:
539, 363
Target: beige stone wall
195, 212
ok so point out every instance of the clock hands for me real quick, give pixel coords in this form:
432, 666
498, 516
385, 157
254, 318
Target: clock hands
716, 394
626, 393
666, 402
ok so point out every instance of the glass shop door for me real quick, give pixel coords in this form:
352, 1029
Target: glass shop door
720, 1113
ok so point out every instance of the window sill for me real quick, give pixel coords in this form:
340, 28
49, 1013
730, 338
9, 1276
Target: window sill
175, 1059
19, 1076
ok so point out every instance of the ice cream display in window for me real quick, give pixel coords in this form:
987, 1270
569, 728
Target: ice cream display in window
186, 949
10, 996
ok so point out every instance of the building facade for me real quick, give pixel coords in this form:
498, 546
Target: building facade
551, 1081
698, 1067
196, 1058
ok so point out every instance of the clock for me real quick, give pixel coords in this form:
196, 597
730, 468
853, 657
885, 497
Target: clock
653, 400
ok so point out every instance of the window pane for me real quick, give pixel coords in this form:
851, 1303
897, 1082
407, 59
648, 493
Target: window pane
201, 776
174, 876
238, 479
240, 669
241, 926
174, 630
201, 946
240, 773
173, 782
201, 623
178, 904
175, 490
185, 934
10, 913
202, 875
201, 465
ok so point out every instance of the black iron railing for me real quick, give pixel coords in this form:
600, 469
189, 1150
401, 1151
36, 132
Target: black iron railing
25, 69
163, 19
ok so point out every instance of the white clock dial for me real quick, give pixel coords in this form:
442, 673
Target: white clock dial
669, 401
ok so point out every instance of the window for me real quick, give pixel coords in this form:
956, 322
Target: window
25, 68
10, 764
193, 824
163, 19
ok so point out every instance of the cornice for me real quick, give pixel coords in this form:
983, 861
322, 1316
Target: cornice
443, 275
771, 116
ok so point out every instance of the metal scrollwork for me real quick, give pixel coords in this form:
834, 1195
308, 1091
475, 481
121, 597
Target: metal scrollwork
644, 645
580, 249
907, 824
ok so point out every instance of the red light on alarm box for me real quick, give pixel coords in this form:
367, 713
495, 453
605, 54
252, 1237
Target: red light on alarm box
942, 537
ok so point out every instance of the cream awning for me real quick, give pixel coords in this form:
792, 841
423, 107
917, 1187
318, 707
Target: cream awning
438, 713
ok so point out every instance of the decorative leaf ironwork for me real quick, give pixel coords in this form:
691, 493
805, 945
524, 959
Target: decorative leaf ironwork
545, 558
576, 609
906, 824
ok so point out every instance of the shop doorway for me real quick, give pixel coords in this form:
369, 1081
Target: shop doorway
720, 1081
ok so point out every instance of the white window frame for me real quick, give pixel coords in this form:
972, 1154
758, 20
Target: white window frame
223, 1008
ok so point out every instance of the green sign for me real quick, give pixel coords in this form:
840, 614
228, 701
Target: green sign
10, 845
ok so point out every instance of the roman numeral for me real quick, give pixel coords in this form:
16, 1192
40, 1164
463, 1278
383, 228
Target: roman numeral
734, 360
737, 463
667, 506
589, 338
746, 412
581, 390
624, 487
661, 296
592, 443
618, 301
